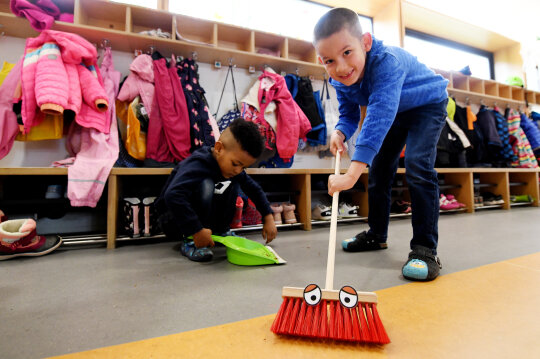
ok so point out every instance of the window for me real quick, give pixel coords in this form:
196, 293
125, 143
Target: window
152, 4
291, 18
447, 55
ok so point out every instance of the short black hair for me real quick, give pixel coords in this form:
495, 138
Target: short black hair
334, 21
248, 136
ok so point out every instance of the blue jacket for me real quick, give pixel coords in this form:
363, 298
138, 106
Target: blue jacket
394, 81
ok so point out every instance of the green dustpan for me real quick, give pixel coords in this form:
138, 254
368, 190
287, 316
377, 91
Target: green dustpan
245, 252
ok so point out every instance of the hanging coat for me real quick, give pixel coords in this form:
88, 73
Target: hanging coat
201, 131
168, 137
292, 123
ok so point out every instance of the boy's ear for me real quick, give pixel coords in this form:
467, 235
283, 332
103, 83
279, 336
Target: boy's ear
367, 40
218, 147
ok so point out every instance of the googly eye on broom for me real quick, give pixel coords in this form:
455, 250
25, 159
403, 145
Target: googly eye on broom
330, 314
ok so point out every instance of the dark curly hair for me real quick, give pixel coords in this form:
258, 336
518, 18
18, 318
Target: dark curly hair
334, 21
248, 136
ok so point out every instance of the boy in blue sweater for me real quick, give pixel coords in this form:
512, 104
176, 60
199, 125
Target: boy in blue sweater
406, 105
199, 197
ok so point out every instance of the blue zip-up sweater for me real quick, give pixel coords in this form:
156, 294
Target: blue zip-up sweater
394, 81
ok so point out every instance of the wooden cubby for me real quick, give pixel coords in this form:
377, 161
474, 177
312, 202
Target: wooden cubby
491, 88
265, 42
196, 29
107, 16
138, 20
232, 37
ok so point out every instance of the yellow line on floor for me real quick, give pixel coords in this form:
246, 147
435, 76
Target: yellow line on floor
491, 311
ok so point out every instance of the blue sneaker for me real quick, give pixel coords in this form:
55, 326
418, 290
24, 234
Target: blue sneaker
422, 265
188, 249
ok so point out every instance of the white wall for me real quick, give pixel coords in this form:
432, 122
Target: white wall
43, 153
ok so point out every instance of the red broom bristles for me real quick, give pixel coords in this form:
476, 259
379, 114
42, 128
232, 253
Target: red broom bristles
330, 320
383, 337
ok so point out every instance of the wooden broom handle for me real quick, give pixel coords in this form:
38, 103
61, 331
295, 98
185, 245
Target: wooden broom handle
333, 232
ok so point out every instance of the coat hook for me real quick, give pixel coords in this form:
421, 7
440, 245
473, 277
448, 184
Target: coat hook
297, 72
467, 102
194, 55
151, 49
105, 43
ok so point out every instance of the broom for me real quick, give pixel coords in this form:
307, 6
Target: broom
344, 315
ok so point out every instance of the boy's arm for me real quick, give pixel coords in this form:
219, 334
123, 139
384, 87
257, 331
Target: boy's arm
257, 195
254, 191
386, 83
349, 116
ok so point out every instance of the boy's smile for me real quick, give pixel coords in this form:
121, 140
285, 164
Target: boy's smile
344, 55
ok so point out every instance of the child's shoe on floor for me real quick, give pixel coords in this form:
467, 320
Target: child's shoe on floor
422, 265
188, 249
18, 238
362, 242
288, 213
277, 209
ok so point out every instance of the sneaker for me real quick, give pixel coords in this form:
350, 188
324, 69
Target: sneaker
445, 204
321, 212
491, 199
188, 249
362, 242
422, 265
522, 198
452, 199
478, 201
347, 210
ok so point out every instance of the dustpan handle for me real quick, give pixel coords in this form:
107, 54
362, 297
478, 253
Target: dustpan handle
333, 232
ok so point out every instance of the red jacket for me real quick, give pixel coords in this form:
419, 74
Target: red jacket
292, 123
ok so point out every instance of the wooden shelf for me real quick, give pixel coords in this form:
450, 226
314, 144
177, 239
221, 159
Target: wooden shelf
490, 93
96, 20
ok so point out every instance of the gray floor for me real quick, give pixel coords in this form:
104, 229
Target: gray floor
74, 300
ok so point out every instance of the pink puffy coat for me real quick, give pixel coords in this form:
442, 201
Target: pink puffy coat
140, 82
60, 73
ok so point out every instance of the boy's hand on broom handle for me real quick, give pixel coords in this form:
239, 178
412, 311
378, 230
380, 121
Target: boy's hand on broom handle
347, 180
343, 182
203, 238
269, 230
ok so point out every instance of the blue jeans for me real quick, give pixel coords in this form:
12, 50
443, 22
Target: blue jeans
419, 129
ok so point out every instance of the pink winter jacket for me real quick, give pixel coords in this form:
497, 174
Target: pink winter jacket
140, 82
60, 73
292, 123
